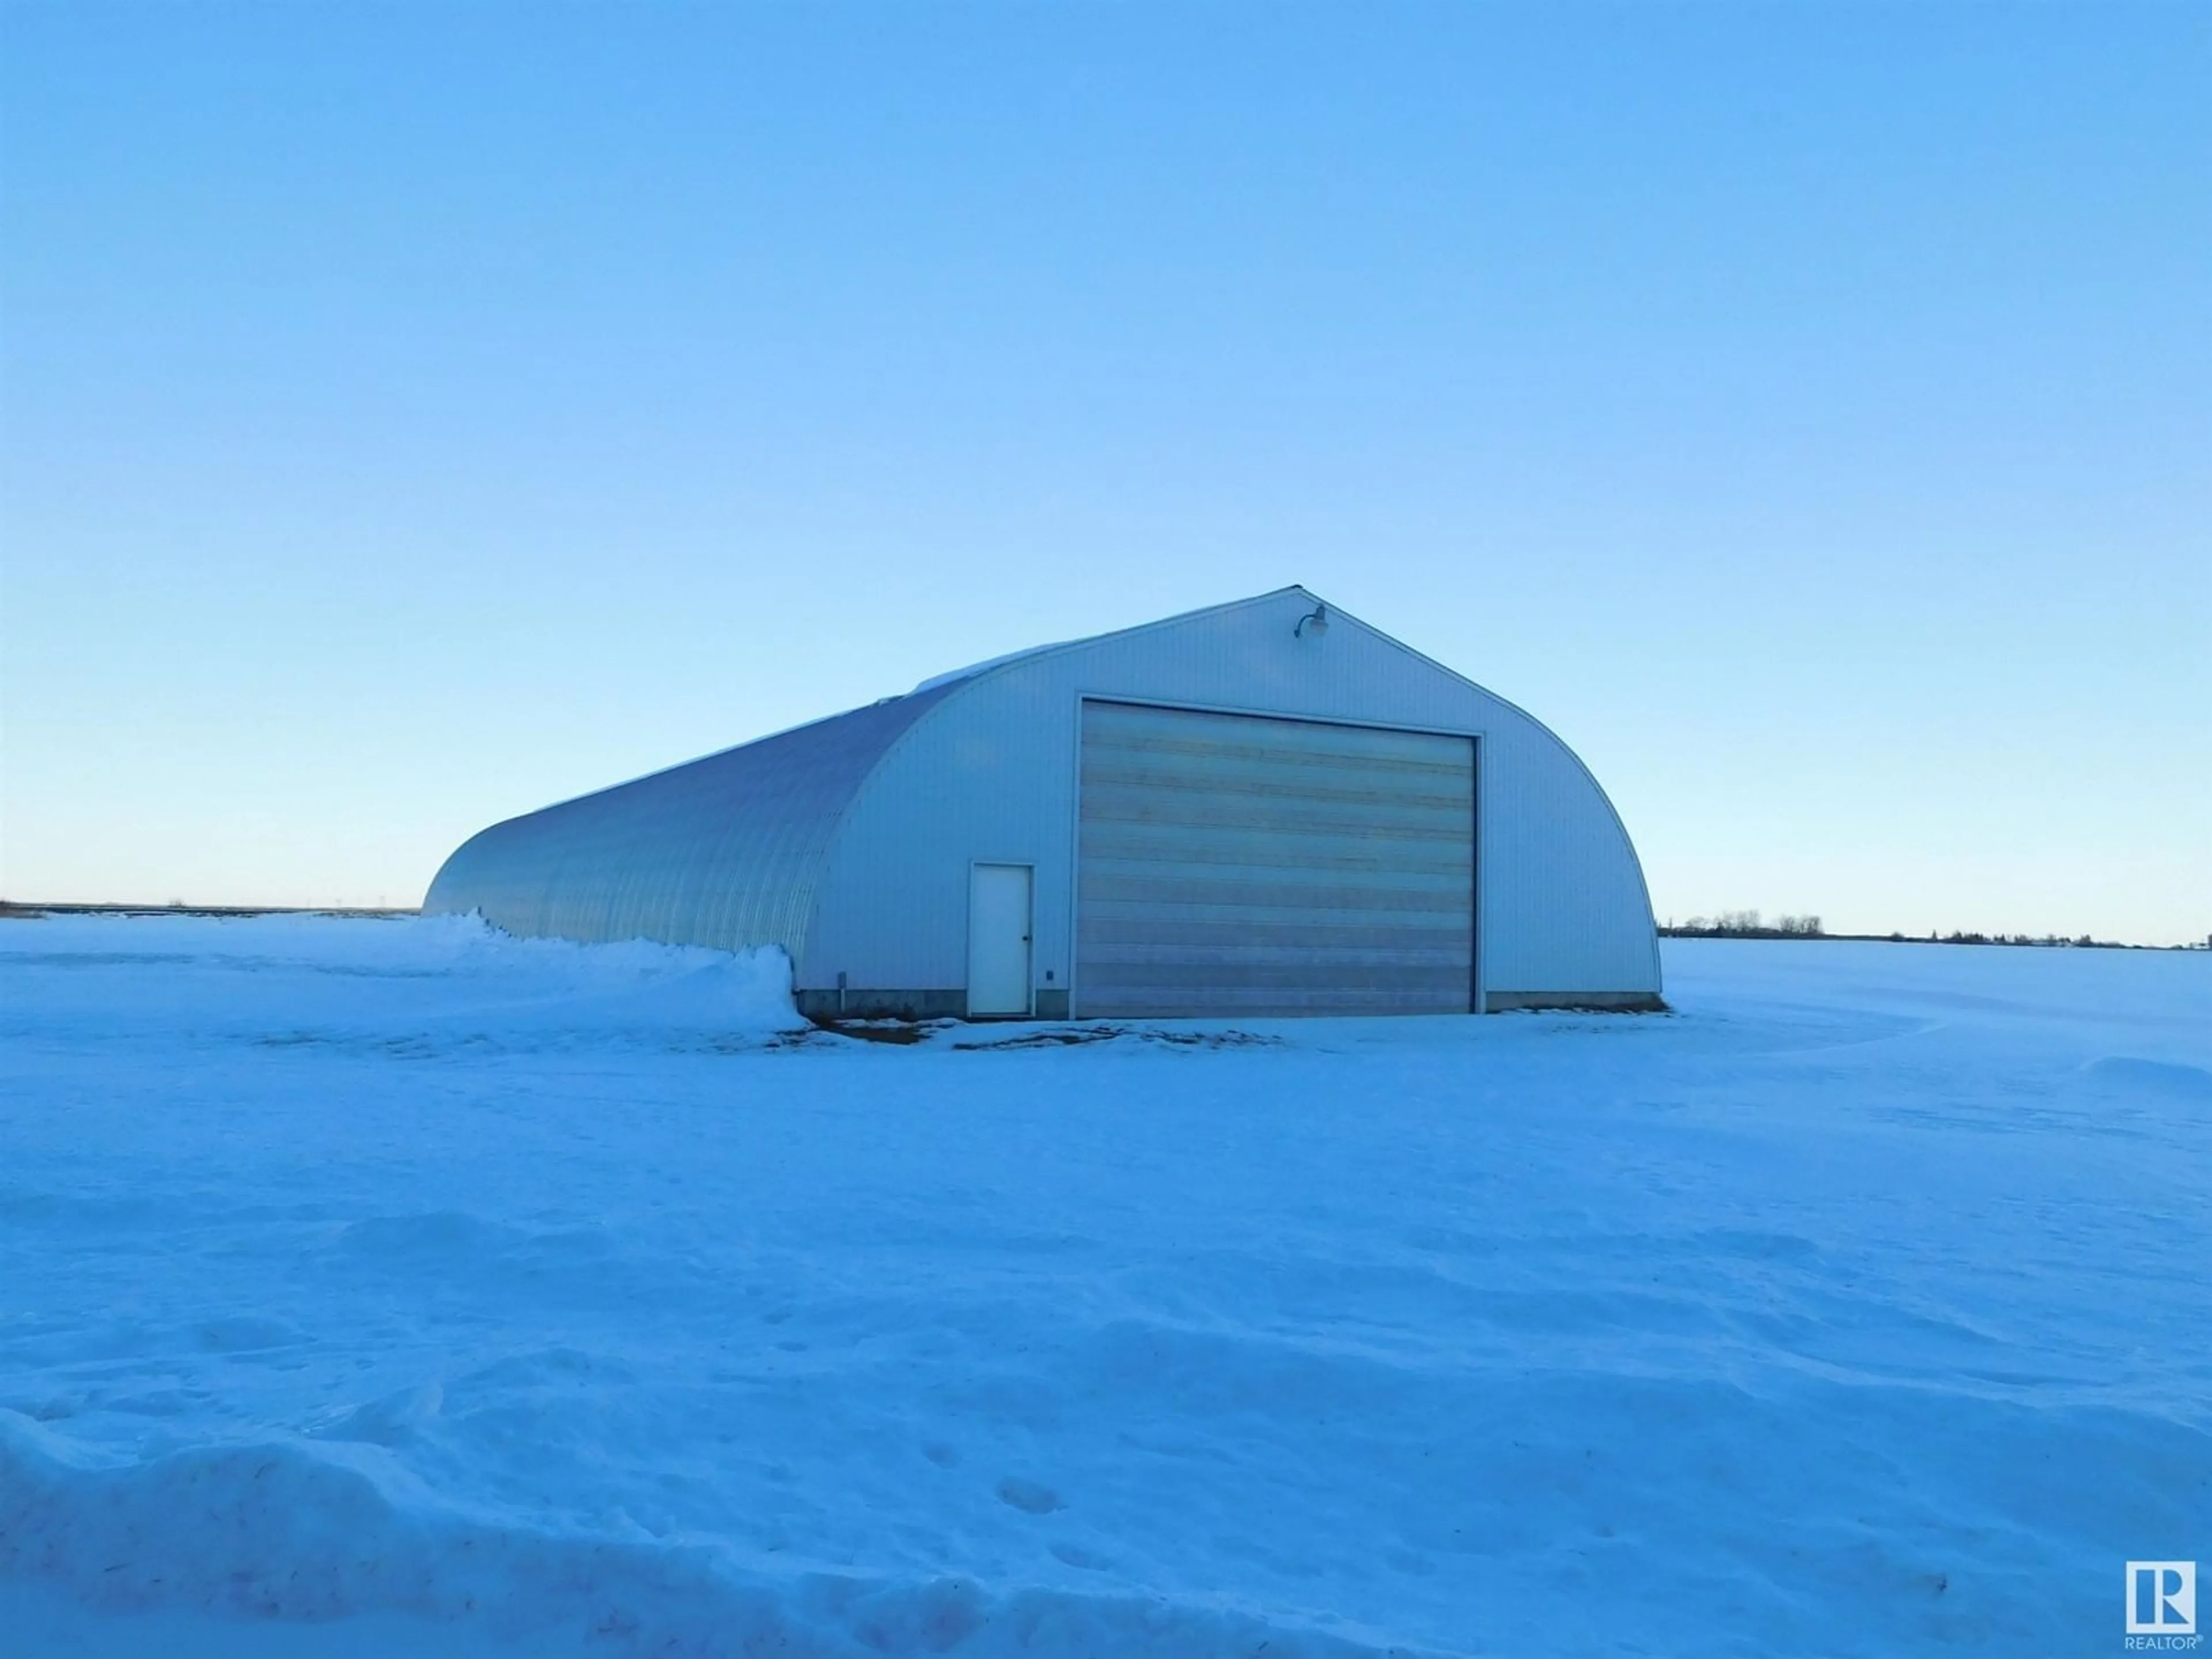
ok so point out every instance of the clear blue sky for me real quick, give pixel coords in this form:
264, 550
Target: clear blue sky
410, 416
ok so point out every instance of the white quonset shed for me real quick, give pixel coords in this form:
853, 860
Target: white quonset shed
1266, 807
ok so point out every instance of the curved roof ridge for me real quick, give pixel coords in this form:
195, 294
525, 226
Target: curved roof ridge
990, 665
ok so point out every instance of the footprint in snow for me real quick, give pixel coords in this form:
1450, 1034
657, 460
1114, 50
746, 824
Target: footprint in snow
1028, 1496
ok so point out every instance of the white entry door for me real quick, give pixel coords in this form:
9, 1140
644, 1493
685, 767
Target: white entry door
998, 939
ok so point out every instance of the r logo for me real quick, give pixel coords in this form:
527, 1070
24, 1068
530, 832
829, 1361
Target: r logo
2161, 1598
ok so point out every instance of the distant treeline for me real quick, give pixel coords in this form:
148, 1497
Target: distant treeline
1747, 924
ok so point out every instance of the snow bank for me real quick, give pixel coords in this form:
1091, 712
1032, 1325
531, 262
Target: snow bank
439, 982
309, 1533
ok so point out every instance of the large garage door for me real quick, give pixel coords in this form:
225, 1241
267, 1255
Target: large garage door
1231, 865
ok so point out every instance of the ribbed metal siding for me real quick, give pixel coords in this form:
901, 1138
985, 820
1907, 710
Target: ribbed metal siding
725, 852
1231, 864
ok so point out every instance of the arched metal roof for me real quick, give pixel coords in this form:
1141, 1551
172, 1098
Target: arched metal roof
847, 841
724, 852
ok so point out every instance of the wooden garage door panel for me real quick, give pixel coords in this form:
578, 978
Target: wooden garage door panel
1230, 864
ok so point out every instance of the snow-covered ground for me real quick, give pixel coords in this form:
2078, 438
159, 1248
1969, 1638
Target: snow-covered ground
382, 1287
